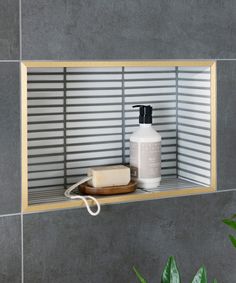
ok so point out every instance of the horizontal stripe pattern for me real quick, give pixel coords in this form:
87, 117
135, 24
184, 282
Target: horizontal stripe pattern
83, 117
194, 124
155, 86
45, 128
43, 195
61, 146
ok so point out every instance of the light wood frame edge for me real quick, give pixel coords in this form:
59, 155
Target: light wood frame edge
26, 208
146, 63
24, 150
213, 126
121, 199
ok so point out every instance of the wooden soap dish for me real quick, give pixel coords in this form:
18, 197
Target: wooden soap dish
114, 190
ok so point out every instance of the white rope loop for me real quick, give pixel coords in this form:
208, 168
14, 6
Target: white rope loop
84, 198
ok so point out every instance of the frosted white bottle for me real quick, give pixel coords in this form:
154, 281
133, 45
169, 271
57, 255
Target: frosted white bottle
145, 152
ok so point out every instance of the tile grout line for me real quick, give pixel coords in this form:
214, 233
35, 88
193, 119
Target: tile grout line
177, 118
20, 30
9, 61
64, 126
22, 250
57, 60
21, 214
10, 214
123, 115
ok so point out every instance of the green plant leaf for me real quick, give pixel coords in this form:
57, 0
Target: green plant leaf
233, 240
201, 276
233, 216
170, 273
214, 281
231, 223
140, 277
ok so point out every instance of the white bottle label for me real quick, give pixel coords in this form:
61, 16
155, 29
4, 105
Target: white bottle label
145, 159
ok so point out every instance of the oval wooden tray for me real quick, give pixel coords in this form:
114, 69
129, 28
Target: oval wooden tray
114, 190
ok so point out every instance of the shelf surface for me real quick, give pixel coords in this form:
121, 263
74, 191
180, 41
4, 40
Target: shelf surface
42, 196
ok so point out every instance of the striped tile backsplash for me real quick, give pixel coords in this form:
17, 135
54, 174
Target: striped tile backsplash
83, 117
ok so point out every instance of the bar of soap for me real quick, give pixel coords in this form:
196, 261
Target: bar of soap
106, 176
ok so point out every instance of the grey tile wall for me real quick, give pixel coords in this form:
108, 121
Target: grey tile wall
10, 188
10, 247
9, 29
71, 246
76, 29
226, 120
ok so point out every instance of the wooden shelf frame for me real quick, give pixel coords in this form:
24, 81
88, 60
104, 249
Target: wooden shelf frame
175, 192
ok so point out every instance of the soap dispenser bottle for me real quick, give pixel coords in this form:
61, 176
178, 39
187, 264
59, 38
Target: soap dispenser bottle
145, 151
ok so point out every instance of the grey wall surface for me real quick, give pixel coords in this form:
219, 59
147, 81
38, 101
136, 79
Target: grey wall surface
10, 219
70, 246
134, 29
9, 138
226, 121
10, 247
9, 30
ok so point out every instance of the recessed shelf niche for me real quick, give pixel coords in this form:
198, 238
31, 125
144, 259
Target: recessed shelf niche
79, 114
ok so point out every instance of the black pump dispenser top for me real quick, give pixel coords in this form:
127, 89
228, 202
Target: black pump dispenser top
145, 114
